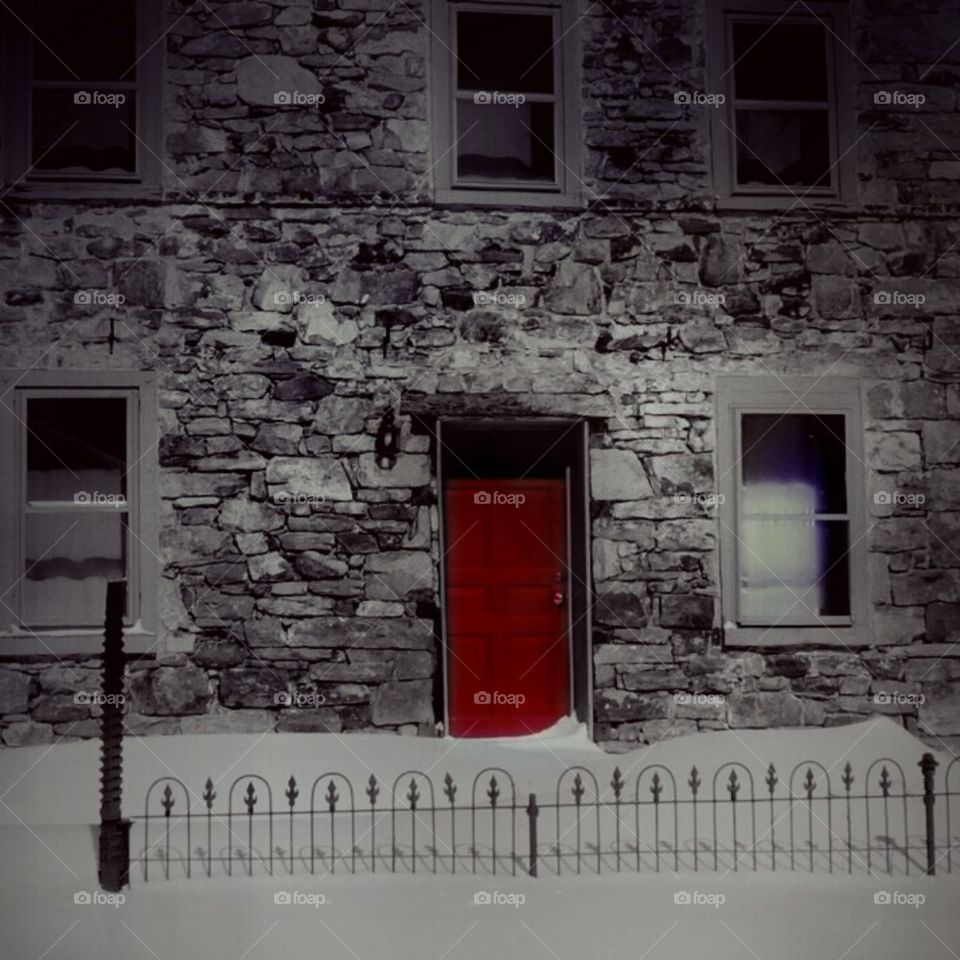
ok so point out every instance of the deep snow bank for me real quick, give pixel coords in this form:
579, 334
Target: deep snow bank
58, 784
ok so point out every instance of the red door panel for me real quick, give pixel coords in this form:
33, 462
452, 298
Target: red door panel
506, 585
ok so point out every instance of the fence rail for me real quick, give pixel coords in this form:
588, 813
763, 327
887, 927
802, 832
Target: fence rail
649, 821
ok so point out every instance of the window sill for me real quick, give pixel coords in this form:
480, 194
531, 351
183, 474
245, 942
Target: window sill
782, 203
514, 199
71, 642
762, 637
66, 191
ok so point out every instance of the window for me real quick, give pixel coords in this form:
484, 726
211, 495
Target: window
781, 130
78, 503
791, 479
506, 125
87, 109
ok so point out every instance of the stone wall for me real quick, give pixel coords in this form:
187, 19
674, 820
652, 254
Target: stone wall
295, 282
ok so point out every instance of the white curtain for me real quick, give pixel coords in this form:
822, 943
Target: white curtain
780, 560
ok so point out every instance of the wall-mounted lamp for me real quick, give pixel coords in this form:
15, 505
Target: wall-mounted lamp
385, 447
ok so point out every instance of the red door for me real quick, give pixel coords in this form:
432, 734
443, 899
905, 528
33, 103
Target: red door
506, 585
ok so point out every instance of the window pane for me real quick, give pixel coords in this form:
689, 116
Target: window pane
504, 51
76, 445
81, 138
793, 570
69, 558
84, 41
505, 142
793, 463
783, 147
783, 62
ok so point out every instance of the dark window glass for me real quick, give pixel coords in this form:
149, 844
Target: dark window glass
73, 137
76, 445
500, 142
801, 452
783, 148
83, 104
777, 145
504, 51
785, 61
84, 41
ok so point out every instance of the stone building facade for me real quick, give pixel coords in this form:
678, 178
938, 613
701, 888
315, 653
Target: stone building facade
290, 277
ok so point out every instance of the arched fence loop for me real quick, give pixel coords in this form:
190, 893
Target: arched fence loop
816, 817
334, 787
412, 791
492, 789
815, 781
577, 791
254, 808
655, 800
167, 800
881, 786
732, 787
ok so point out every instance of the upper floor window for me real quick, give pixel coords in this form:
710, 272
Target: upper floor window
792, 531
780, 131
506, 126
86, 78
77, 496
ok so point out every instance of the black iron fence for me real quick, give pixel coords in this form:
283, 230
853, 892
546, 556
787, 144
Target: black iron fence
808, 819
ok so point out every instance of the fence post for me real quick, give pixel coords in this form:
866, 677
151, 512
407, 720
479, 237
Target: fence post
114, 866
928, 765
532, 813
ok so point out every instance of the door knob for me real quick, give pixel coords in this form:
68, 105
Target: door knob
558, 599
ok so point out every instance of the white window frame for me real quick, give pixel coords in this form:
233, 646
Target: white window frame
842, 120
567, 189
796, 395
140, 632
18, 84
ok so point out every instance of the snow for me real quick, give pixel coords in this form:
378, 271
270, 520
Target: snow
567, 733
57, 784
797, 917
49, 801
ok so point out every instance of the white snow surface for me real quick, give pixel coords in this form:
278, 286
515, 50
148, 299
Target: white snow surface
58, 784
48, 801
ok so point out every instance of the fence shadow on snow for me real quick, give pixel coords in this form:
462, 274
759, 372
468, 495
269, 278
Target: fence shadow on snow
808, 818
